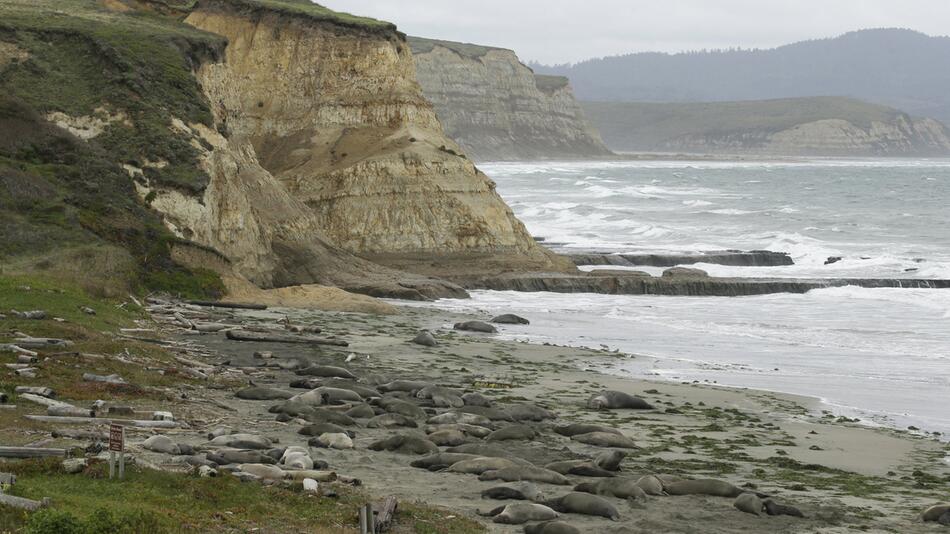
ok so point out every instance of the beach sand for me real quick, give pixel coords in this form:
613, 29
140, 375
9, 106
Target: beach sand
843, 476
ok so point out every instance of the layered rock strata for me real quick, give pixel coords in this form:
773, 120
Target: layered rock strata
498, 109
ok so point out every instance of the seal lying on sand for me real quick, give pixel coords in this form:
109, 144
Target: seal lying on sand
512, 432
935, 513
521, 491
585, 504
441, 460
651, 485
551, 527
622, 488
584, 468
520, 513
749, 503
524, 472
405, 444
711, 487
774, 508
611, 400
576, 429
326, 371
610, 460
477, 466
606, 439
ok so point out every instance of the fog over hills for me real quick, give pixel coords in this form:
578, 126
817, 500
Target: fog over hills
901, 68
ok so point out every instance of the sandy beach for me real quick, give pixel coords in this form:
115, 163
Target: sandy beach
841, 475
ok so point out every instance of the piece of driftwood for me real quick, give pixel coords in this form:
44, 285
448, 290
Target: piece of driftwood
36, 390
90, 435
43, 401
20, 502
234, 305
69, 411
385, 512
101, 421
30, 452
244, 335
109, 379
40, 342
9, 347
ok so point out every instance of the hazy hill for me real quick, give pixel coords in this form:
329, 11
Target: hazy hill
900, 68
817, 126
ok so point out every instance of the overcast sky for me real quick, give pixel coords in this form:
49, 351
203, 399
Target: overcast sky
559, 31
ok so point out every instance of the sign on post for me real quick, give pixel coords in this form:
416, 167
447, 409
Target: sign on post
116, 445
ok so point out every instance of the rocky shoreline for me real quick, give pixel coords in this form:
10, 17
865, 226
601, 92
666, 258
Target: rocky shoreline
384, 404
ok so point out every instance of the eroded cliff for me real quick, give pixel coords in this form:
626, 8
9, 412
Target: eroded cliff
498, 109
330, 147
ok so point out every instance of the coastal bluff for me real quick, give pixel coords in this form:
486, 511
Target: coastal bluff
497, 108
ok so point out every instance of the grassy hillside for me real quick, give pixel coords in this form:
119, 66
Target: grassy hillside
421, 45
647, 126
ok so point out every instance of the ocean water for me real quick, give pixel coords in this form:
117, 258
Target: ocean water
879, 354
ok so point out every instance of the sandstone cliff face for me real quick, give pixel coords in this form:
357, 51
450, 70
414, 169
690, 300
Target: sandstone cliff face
901, 136
498, 109
330, 149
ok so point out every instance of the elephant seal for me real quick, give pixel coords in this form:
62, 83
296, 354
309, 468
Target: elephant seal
322, 415
493, 414
476, 399
242, 441
509, 318
326, 395
326, 371
476, 326
551, 527
361, 411
425, 338
576, 429
584, 504
774, 508
316, 429
468, 430
296, 458
452, 418
621, 488
525, 473
391, 420
408, 386
404, 444
651, 485
749, 503
529, 412
401, 407
606, 439
263, 394
238, 456
512, 432
520, 513
338, 383
708, 486
522, 491
442, 397
441, 460
934, 513
262, 471
477, 466
612, 400
448, 438
610, 460
584, 468
332, 441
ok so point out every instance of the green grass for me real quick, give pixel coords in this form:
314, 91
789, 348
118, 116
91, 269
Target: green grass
181, 503
314, 12
422, 45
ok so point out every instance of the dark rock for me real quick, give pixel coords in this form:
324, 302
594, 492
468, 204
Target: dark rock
833, 259
684, 272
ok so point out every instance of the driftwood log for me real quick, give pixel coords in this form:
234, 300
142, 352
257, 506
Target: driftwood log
20, 502
244, 335
30, 452
385, 512
101, 421
89, 435
41, 391
234, 305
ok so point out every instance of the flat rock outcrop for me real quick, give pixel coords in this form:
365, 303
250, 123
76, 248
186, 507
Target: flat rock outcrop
498, 109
